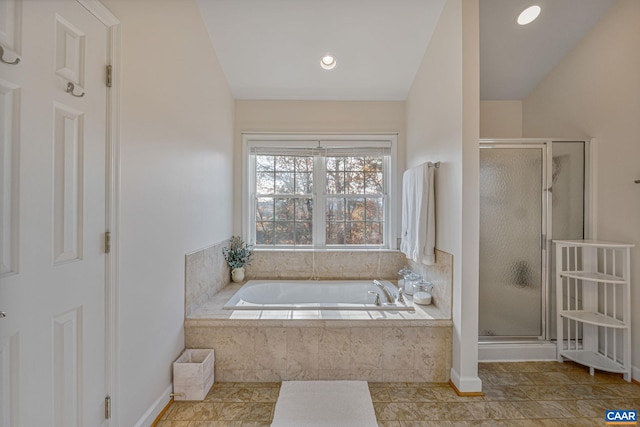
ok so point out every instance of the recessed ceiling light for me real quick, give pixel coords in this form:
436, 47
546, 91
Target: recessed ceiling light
529, 15
328, 62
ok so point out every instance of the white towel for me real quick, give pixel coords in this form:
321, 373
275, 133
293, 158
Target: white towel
418, 215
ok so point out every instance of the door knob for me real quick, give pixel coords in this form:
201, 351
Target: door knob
2, 314
70, 89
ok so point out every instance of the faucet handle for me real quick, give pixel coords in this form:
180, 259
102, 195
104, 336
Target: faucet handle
377, 301
400, 298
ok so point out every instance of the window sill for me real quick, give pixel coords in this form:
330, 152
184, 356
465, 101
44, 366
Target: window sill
283, 249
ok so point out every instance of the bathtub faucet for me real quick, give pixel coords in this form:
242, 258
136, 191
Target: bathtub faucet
385, 291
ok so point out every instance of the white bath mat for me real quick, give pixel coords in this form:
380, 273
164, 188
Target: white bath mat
324, 404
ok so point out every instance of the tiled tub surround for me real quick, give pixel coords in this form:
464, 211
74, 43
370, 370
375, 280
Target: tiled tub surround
371, 350
276, 345
206, 274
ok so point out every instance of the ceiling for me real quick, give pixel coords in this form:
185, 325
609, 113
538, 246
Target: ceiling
514, 58
271, 49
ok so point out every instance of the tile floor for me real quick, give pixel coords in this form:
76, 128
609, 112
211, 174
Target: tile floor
515, 394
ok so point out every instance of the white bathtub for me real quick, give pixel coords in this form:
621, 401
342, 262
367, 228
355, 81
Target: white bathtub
312, 295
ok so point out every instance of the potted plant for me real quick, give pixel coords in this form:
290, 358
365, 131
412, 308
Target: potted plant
237, 254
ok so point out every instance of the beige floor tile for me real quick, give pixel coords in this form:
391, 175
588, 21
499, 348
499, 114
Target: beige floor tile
546, 393
265, 394
390, 411
548, 378
191, 411
231, 411
512, 378
260, 411
215, 424
271, 384
625, 390
444, 411
589, 391
230, 394
379, 394
481, 423
504, 392
173, 424
411, 394
426, 423
551, 392
543, 409
494, 410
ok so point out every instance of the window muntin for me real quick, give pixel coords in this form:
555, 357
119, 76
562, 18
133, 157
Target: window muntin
354, 206
347, 181
284, 200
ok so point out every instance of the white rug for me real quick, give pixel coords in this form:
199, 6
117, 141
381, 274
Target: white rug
324, 404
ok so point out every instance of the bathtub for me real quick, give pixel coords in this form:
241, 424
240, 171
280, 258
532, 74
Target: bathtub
312, 295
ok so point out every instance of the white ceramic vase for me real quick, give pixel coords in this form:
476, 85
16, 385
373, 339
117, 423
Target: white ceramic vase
237, 274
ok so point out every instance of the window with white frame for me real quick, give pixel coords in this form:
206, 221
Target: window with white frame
319, 193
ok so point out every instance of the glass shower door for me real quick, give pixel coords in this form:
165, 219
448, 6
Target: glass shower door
512, 229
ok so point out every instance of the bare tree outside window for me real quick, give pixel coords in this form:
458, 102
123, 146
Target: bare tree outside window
354, 204
284, 189
346, 184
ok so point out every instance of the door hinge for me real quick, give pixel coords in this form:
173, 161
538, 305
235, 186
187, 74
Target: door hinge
109, 76
107, 242
107, 407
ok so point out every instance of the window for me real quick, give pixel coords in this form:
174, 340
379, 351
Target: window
319, 193
284, 200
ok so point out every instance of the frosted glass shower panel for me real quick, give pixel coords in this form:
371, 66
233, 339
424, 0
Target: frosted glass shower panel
567, 206
511, 221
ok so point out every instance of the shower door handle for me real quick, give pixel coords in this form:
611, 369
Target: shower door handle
543, 242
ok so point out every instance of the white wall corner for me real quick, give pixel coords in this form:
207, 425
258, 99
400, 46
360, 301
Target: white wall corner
466, 384
156, 407
635, 373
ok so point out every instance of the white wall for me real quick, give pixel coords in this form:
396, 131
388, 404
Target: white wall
443, 125
595, 92
176, 185
314, 117
501, 119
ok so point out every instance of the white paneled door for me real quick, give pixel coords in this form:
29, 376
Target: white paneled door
53, 133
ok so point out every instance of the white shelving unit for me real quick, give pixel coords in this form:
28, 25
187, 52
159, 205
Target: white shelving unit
593, 292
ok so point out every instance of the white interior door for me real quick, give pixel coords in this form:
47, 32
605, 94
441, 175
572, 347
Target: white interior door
52, 187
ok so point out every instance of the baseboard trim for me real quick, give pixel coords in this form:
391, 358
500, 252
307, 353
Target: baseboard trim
465, 384
464, 393
156, 410
161, 414
516, 352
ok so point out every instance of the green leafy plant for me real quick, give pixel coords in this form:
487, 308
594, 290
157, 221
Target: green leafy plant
238, 253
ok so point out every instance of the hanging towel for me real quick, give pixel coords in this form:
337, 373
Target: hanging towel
418, 215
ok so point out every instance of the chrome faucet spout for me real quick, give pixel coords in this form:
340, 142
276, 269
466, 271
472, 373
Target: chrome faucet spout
385, 291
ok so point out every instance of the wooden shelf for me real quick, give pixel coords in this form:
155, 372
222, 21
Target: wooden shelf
593, 277
594, 360
592, 318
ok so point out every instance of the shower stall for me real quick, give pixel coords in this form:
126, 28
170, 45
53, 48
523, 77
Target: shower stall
531, 192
